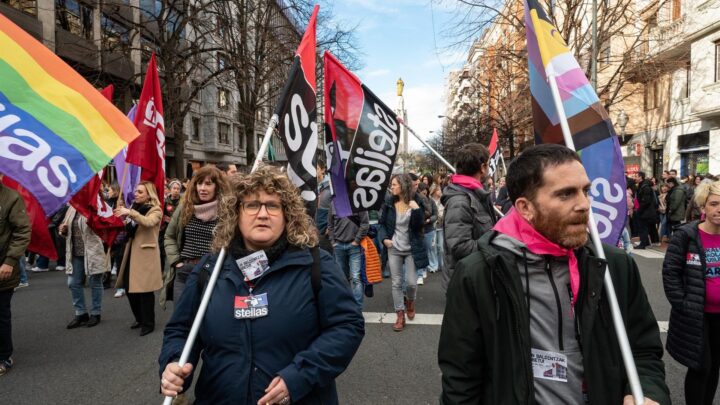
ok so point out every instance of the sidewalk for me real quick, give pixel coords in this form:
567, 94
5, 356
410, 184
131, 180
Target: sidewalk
650, 252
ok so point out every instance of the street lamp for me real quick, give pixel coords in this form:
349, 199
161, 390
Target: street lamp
622, 121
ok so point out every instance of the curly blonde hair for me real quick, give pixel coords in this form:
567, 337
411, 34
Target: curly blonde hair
703, 191
299, 227
191, 198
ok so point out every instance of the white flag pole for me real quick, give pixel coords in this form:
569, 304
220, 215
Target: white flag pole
218, 265
266, 141
620, 331
442, 159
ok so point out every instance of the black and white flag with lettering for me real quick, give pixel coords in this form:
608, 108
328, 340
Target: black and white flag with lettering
365, 136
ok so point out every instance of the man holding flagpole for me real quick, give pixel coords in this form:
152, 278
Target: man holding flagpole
527, 318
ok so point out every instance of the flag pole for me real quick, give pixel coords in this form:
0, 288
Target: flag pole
620, 331
442, 159
266, 141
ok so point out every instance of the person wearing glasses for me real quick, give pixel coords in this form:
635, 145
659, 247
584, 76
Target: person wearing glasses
282, 323
190, 231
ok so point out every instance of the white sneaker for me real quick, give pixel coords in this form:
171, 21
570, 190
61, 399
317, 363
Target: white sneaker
59, 268
114, 270
21, 285
39, 270
425, 274
119, 293
420, 281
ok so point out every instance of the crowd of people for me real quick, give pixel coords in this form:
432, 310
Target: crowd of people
522, 282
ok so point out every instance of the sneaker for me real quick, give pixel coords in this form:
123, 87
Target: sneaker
426, 273
114, 270
119, 293
39, 270
21, 285
420, 281
59, 268
6, 366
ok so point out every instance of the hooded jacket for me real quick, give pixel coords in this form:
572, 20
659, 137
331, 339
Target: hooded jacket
306, 342
485, 341
684, 282
14, 233
468, 215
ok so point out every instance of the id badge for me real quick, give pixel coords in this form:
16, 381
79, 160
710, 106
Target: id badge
549, 365
253, 265
251, 306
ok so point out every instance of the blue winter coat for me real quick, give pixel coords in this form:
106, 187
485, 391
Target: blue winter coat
307, 343
386, 221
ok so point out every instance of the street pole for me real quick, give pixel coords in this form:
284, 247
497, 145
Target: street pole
594, 56
442, 159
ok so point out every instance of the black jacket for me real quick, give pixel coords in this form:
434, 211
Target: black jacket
684, 283
648, 202
468, 215
417, 236
484, 349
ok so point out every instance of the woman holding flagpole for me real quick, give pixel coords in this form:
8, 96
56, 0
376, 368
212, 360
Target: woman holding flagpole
140, 273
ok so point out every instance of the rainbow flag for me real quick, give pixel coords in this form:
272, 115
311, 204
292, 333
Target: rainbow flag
590, 126
56, 129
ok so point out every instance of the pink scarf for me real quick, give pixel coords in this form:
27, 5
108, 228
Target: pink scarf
517, 227
465, 181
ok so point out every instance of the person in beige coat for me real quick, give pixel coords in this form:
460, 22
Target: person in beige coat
84, 258
140, 273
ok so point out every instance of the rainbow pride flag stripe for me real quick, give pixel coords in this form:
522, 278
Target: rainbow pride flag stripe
56, 129
590, 126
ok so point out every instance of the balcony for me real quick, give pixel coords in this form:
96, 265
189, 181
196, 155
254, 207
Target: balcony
27, 22
117, 64
76, 48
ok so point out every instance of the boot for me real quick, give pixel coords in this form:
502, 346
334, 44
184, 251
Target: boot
410, 309
93, 321
79, 320
400, 322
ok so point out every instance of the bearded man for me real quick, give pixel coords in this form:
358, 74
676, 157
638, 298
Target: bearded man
527, 319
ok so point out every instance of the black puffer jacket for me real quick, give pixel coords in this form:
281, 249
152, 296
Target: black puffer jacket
648, 202
468, 215
684, 282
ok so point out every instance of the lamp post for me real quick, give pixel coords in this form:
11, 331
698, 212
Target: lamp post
622, 121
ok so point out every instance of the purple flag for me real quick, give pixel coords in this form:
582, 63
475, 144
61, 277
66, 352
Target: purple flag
132, 177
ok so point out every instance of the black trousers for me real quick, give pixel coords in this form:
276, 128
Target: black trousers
700, 385
143, 307
6, 346
648, 232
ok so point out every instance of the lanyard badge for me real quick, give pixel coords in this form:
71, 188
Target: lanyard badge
253, 265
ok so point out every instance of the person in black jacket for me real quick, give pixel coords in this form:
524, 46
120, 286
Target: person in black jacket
691, 277
647, 212
527, 319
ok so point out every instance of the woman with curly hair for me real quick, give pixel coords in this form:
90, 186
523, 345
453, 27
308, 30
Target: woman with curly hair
190, 232
140, 273
271, 334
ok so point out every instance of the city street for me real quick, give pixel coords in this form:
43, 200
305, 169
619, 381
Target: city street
111, 364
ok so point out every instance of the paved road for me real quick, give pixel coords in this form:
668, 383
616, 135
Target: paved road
111, 364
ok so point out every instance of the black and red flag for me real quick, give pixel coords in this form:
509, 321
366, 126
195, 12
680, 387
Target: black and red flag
365, 137
495, 153
297, 114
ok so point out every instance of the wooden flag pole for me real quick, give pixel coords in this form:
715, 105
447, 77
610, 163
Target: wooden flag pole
620, 331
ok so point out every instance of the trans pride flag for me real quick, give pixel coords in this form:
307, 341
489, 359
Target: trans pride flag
56, 130
590, 126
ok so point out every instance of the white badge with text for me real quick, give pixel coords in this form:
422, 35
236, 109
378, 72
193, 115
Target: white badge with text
251, 306
549, 365
253, 265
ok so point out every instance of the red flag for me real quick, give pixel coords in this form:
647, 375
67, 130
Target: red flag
41, 242
495, 153
148, 150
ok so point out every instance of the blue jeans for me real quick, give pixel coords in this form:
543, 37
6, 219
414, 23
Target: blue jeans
432, 255
23, 270
75, 283
42, 262
348, 258
440, 248
404, 281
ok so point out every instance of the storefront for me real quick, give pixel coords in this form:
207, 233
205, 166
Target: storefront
694, 153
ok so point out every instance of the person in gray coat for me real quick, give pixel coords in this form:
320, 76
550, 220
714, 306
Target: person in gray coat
468, 208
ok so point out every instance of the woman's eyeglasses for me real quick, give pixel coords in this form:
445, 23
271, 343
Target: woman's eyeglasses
253, 207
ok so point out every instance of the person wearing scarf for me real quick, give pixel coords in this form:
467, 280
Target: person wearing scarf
527, 319
140, 273
190, 232
270, 335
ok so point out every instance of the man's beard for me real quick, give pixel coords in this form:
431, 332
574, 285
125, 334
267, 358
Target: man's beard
555, 229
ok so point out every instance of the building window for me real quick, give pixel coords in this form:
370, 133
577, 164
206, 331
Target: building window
717, 61
676, 9
223, 133
222, 61
222, 98
195, 136
604, 54
196, 88
26, 6
651, 90
115, 36
688, 75
74, 17
240, 137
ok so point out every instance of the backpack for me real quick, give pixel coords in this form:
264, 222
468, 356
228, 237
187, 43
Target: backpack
207, 266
